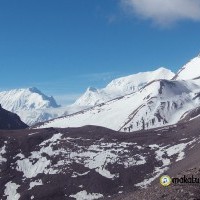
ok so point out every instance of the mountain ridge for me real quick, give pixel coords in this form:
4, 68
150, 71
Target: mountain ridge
33, 106
159, 103
189, 70
122, 86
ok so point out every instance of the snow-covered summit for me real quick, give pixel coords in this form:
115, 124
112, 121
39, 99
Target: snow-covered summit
134, 82
26, 99
122, 86
189, 71
92, 89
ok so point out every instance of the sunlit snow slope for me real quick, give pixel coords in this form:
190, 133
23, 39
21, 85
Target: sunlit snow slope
190, 71
159, 103
122, 86
151, 104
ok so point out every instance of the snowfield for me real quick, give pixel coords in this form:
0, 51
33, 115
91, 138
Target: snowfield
189, 71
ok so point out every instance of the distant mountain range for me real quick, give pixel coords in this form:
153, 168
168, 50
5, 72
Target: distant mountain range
33, 106
156, 103
139, 101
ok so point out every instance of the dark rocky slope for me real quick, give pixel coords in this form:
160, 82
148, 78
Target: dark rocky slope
10, 121
181, 191
93, 162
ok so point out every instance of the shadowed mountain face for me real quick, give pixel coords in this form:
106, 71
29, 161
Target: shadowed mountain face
10, 121
93, 162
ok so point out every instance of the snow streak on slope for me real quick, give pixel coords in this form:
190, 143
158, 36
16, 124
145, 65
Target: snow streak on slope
159, 103
83, 195
122, 86
189, 71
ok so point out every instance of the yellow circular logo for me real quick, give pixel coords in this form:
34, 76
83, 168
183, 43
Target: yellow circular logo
165, 181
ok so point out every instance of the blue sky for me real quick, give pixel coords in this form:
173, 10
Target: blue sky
64, 46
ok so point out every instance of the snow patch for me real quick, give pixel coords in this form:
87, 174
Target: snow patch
99, 156
83, 195
2, 152
11, 191
35, 183
41, 163
76, 174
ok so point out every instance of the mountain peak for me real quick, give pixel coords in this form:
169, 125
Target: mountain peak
25, 99
91, 89
34, 89
163, 69
122, 86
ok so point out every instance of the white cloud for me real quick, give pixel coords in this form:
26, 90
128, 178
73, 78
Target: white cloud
164, 12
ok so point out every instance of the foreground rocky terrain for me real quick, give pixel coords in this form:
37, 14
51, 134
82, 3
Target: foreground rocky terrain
94, 162
174, 191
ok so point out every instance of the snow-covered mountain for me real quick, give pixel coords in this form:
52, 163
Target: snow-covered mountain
122, 86
29, 103
160, 102
139, 101
157, 103
26, 99
33, 106
189, 71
